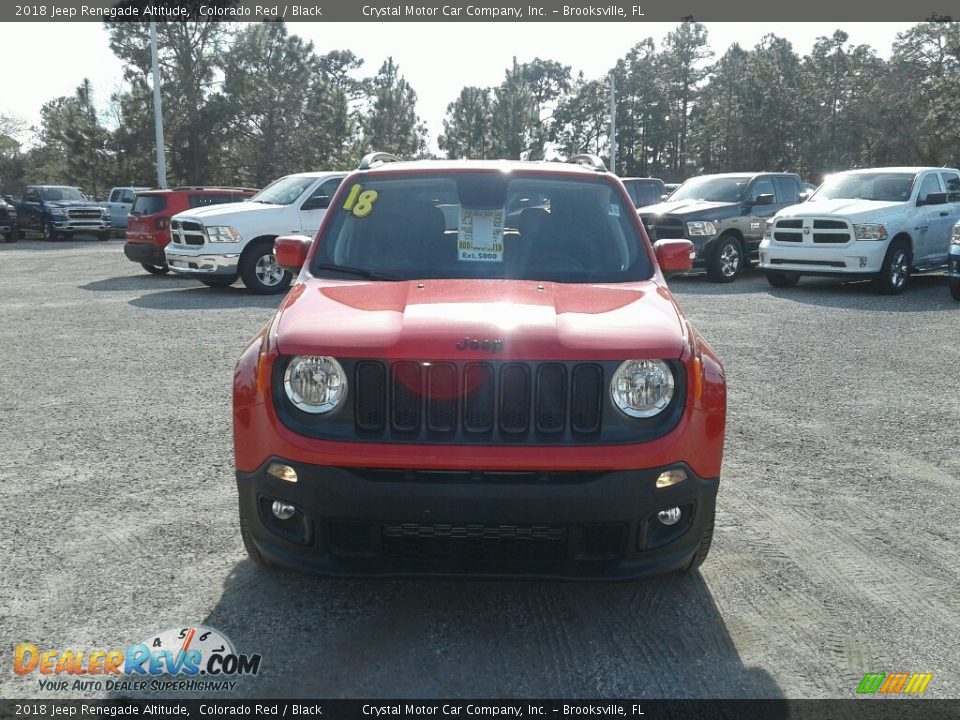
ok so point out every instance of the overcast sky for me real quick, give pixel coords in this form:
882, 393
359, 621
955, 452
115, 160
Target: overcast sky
437, 58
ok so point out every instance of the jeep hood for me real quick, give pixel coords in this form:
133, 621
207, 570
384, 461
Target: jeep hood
853, 209
404, 320
690, 208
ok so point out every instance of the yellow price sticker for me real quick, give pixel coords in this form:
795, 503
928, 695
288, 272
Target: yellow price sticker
360, 201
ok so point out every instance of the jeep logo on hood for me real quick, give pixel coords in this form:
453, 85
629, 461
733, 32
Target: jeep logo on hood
478, 344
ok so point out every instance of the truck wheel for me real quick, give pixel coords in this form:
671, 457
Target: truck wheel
11, 237
955, 288
703, 549
21, 234
782, 279
247, 538
260, 272
218, 281
155, 269
103, 236
725, 260
895, 271
49, 232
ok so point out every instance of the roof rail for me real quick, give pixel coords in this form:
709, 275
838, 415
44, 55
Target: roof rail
591, 161
376, 158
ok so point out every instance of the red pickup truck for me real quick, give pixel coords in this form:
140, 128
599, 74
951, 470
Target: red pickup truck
480, 370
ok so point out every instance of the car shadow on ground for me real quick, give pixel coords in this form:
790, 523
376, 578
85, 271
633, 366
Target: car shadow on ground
200, 297
330, 638
750, 281
924, 293
33, 244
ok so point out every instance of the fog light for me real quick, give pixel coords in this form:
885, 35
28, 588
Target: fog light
863, 262
671, 477
285, 511
667, 517
284, 472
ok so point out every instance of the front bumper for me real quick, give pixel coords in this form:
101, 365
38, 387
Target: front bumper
91, 225
953, 266
355, 521
856, 258
201, 261
140, 252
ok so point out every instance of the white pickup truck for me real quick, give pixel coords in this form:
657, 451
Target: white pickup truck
219, 243
881, 223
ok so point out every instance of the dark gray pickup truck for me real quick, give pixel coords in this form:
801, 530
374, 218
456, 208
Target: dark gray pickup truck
723, 216
8, 220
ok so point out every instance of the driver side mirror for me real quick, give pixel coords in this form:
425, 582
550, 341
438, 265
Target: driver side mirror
934, 198
317, 202
674, 256
763, 199
291, 251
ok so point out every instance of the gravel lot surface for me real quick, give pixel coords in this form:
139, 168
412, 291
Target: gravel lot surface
836, 553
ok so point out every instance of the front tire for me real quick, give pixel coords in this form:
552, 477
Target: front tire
260, 272
955, 289
248, 543
218, 282
11, 237
49, 232
101, 236
782, 279
155, 269
725, 261
895, 271
703, 548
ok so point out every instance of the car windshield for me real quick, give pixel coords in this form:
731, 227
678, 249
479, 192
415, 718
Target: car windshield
148, 204
284, 191
484, 225
54, 194
878, 186
715, 189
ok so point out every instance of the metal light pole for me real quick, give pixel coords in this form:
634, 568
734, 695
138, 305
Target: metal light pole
613, 124
157, 110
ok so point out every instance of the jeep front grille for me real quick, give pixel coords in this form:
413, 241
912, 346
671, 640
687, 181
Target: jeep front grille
478, 402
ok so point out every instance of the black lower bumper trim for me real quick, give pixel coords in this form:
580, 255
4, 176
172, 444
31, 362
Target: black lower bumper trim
353, 522
144, 253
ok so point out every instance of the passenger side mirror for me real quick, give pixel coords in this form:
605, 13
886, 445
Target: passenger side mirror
317, 202
674, 256
763, 199
804, 196
936, 198
291, 251
665, 196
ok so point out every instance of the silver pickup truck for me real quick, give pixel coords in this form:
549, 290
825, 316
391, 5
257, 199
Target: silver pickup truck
119, 202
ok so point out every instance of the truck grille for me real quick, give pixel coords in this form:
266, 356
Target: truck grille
507, 399
819, 231
186, 232
664, 227
84, 214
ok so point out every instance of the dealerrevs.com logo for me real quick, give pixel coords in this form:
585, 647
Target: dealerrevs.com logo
189, 658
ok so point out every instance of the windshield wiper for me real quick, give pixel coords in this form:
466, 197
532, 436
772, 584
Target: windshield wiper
367, 273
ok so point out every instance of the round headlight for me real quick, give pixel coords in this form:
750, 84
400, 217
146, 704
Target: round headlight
315, 383
642, 388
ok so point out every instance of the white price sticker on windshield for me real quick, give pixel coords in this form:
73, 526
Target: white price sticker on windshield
480, 236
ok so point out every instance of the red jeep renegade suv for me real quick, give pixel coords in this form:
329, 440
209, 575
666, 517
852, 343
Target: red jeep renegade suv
148, 225
480, 370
